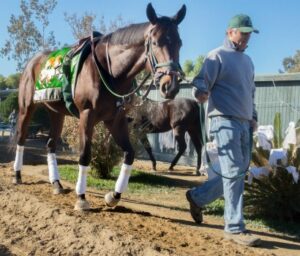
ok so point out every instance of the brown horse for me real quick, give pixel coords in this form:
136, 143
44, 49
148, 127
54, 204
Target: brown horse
180, 115
104, 80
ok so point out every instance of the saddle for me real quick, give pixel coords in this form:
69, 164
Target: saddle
83, 46
58, 77
82, 49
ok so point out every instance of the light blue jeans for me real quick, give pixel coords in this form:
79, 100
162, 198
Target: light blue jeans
232, 137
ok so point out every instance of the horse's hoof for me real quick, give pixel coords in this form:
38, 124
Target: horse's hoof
17, 179
110, 200
57, 188
82, 205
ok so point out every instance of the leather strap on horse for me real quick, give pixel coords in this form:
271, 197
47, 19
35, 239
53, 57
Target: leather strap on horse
94, 41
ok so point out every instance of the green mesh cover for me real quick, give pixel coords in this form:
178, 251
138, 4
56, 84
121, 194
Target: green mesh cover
57, 79
52, 75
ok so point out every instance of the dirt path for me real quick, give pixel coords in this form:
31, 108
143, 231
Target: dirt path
35, 222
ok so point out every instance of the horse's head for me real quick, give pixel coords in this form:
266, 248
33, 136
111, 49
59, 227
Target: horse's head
163, 43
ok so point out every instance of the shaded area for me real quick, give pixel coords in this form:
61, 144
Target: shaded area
160, 180
4, 251
35, 151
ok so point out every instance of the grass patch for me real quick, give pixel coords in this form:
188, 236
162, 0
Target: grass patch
215, 208
140, 182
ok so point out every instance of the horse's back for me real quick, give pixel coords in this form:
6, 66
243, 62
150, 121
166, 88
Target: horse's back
184, 110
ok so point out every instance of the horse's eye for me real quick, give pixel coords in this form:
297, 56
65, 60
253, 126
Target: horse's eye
154, 43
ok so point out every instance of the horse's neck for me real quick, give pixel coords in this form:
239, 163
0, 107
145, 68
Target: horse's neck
126, 60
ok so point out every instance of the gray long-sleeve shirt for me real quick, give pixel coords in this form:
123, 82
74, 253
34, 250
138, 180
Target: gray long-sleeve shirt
228, 75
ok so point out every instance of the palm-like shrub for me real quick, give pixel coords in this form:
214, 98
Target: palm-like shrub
276, 195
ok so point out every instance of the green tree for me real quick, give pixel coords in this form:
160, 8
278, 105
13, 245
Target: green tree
12, 81
188, 67
27, 32
2, 82
198, 64
7, 105
192, 68
82, 26
292, 64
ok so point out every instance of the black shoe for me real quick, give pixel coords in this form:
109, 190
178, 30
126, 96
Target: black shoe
195, 210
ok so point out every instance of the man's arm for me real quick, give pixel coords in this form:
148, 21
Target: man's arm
206, 78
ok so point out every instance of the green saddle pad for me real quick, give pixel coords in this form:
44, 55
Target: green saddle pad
56, 79
51, 78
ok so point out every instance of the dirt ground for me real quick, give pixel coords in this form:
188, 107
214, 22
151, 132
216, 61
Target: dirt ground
35, 222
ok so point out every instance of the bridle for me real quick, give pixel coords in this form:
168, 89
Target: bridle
172, 68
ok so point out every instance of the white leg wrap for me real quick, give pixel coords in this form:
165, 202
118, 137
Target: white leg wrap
122, 182
19, 158
81, 182
52, 167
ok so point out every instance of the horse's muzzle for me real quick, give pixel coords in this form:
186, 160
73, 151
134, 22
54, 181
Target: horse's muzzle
169, 85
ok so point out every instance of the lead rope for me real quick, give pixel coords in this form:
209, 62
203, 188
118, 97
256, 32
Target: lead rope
204, 140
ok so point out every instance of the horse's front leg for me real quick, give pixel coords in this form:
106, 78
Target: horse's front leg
119, 131
86, 127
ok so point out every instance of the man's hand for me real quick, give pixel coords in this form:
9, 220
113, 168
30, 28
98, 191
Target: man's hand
202, 97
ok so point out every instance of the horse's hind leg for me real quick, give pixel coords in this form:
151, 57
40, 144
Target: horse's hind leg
119, 131
195, 137
181, 144
56, 120
24, 116
146, 144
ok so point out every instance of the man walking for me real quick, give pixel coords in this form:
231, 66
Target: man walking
226, 80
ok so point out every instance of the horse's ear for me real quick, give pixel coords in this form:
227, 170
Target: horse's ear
179, 16
151, 14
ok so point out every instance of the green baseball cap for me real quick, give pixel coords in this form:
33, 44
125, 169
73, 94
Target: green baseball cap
243, 23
